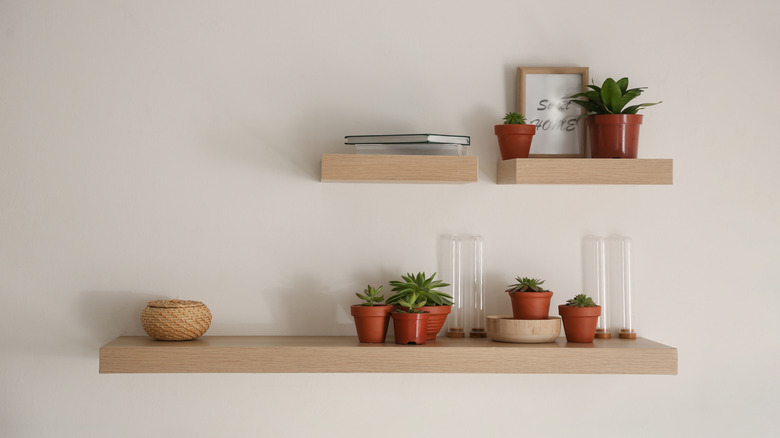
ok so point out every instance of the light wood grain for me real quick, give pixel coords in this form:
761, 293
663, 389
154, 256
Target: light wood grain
399, 168
585, 171
504, 328
341, 354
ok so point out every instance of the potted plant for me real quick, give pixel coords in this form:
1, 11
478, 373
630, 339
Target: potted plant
514, 136
438, 303
580, 316
410, 321
371, 320
529, 299
613, 127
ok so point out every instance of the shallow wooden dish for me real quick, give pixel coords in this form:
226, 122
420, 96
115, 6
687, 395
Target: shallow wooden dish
503, 328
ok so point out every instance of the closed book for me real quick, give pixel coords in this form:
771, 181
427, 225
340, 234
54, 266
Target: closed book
411, 149
408, 138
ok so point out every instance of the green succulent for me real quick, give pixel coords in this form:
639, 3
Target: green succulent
422, 287
611, 98
413, 304
526, 284
581, 300
514, 119
371, 296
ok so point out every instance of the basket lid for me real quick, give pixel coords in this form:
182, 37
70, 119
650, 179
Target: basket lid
166, 304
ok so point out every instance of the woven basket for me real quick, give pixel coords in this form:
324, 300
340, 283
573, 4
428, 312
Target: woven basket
175, 320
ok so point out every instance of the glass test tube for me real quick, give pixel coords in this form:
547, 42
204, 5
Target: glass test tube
478, 292
595, 280
627, 315
456, 286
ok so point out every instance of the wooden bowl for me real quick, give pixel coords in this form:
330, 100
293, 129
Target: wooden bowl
503, 328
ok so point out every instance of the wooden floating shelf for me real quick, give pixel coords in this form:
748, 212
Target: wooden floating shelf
399, 168
585, 171
343, 354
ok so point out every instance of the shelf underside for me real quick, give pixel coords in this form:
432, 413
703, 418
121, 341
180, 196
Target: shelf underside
343, 354
399, 168
654, 171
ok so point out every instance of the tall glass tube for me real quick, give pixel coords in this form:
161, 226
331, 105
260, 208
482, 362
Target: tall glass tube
478, 322
627, 315
595, 280
456, 329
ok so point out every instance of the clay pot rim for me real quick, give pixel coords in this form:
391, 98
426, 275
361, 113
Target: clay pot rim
614, 119
589, 311
515, 129
375, 305
541, 294
403, 314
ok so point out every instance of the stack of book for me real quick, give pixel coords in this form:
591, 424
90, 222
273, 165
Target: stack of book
409, 144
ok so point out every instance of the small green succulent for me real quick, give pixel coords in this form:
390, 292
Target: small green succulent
526, 284
610, 98
581, 300
422, 287
514, 119
413, 304
371, 296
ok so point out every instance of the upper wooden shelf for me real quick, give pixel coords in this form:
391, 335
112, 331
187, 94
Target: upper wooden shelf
399, 168
343, 354
585, 171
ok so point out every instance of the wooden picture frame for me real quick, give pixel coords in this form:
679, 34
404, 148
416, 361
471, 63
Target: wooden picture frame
541, 98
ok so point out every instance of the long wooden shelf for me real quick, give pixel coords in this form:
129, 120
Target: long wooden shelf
399, 168
343, 354
585, 171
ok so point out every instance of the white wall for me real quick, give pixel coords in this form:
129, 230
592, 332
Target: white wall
153, 149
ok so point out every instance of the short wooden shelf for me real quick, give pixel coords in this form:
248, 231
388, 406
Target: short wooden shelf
585, 171
343, 354
399, 168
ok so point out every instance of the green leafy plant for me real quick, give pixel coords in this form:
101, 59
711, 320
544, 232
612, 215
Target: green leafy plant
611, 98
581, 300
514, 119
526, 284
420, 286
412, 303
371, 296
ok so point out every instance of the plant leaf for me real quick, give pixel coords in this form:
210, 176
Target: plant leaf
610, 95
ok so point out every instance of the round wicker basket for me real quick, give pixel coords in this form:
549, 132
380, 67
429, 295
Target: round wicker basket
175, 320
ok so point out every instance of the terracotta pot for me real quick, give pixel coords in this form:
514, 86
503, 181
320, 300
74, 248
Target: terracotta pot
579, 323
410, 327
371, 322
514, 141
436, 320
613, 135
530, 305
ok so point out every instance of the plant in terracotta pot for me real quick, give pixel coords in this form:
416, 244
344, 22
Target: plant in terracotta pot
529, 299
613, 127
438, 303
580, 316
371, 318
410, 322
514, 136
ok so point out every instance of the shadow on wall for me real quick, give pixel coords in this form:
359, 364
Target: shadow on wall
109, 314
295, 149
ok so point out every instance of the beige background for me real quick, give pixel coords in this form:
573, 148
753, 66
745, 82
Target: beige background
156, 149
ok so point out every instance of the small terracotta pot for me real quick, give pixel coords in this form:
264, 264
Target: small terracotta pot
436, 320
514, 141
371, 322
410, 327
530, 305
613, 135
579, 323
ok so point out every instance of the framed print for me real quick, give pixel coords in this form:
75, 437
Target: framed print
542, 98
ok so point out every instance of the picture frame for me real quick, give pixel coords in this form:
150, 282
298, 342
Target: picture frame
541, 98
